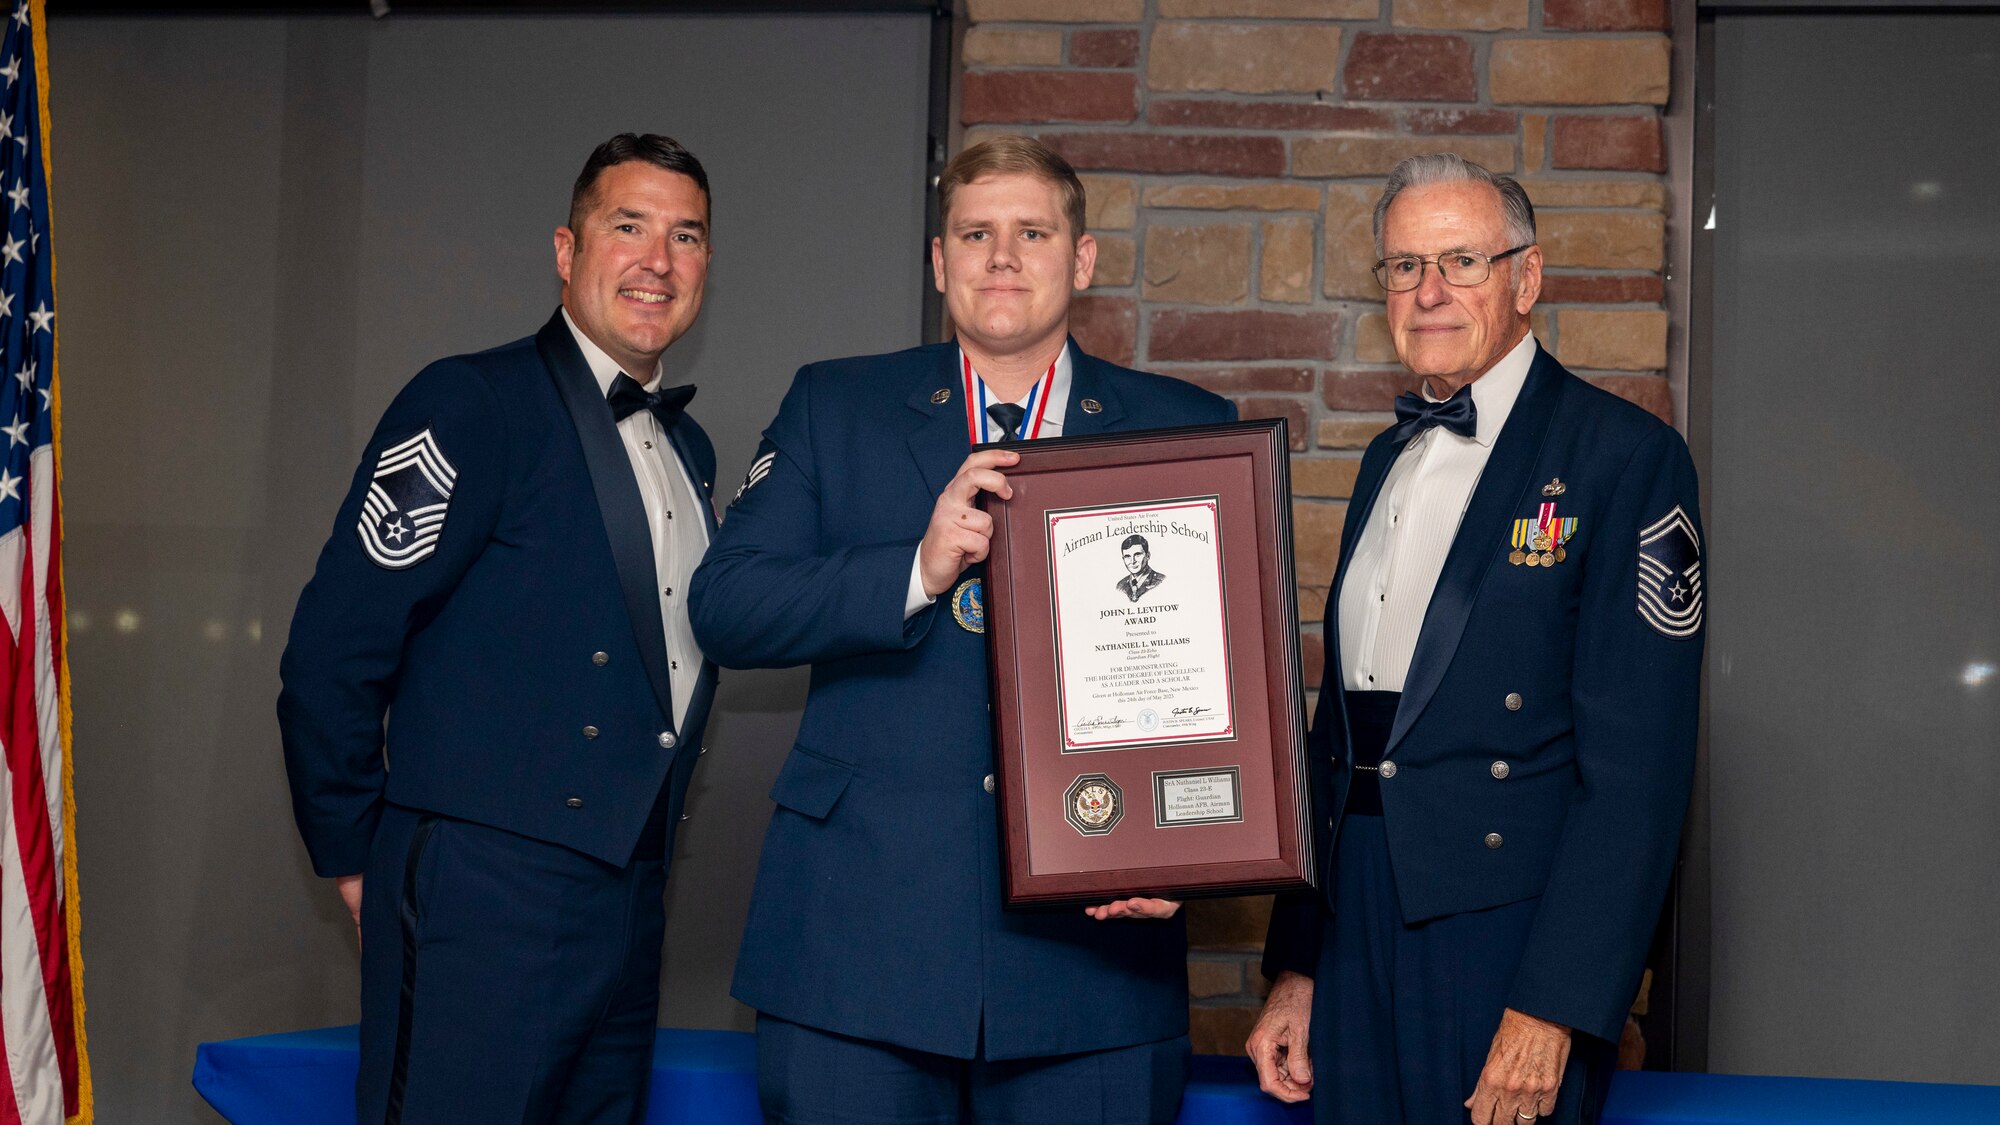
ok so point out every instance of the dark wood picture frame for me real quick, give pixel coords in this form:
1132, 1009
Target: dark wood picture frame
1049, 856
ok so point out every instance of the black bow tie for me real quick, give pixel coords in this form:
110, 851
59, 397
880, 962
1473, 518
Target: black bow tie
1415, 414
1008, 415
627, 398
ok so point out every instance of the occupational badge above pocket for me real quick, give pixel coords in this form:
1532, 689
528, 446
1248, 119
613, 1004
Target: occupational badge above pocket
403, 514
1670, 575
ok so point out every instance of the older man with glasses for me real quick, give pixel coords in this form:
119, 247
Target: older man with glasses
1505, 730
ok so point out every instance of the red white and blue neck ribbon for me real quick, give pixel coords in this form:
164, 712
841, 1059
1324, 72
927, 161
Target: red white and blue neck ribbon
978, 425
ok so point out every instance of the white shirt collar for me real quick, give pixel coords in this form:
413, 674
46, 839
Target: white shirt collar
601, 364
1058, 388
1494, 393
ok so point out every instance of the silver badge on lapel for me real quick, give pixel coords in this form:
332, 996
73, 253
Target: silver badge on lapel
403, 513
1670, 576
1092, 406
941, 396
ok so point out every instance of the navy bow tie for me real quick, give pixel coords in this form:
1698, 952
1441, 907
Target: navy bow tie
627, 398
1415, 414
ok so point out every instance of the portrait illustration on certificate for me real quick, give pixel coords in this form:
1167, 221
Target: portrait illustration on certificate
1141, 660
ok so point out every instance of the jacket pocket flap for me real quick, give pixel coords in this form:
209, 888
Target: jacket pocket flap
810, 784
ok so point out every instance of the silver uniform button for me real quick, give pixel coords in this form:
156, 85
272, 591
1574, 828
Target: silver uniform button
574, 802
600, 658
590, 732
1388, 769
667, 740
988, 783
686, 815
1513, 701
1493, 840
1501, 769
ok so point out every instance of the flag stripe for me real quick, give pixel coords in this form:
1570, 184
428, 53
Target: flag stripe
42, 821
41, 1040
55, 735
29, 972
41, 477
32, 1064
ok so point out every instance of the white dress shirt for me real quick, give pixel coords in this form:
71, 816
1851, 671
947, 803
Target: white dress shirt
1396, 564
1052, 426
673, 515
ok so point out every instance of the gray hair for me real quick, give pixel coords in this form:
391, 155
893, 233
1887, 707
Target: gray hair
1451, 168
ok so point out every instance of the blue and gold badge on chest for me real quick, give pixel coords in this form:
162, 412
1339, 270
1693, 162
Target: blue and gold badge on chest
968, 606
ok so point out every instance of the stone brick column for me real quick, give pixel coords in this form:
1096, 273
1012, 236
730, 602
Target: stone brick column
1233, 150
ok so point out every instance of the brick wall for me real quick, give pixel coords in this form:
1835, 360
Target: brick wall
1233, 150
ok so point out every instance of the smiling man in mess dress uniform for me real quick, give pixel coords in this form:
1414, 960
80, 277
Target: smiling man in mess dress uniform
506, 582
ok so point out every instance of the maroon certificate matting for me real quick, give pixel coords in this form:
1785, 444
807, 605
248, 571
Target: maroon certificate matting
1143, 627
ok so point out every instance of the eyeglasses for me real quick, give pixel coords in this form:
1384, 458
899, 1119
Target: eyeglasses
1405, 272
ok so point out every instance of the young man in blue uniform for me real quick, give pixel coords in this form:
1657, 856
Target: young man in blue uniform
506, 581
1505, 732
889, 982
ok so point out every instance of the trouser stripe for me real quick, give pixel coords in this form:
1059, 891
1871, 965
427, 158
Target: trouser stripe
399, 1070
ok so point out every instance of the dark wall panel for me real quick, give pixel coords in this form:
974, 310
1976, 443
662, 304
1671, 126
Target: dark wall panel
265, 226
1855, 535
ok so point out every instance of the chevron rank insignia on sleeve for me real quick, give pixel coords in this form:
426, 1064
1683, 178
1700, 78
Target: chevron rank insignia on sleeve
759, 469
403, 513
1670, 576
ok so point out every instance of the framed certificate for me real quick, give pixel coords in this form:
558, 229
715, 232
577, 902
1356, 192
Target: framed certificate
1142, 623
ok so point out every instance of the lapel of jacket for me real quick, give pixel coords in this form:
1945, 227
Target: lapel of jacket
1089, 381
1508, 474
939, 441
618, 501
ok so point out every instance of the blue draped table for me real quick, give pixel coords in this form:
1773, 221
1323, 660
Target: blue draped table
709, 1078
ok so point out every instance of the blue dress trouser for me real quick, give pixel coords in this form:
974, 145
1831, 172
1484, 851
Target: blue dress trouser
504, 979
806, 1076
1403, 1016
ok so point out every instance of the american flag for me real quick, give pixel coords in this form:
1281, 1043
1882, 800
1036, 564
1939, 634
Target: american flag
46, 1077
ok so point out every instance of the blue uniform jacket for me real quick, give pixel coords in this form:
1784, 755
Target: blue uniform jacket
521, 662
877, 908
1544, 743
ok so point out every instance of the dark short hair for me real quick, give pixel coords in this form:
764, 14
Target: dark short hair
654, 149
1135, 540
1013, 155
